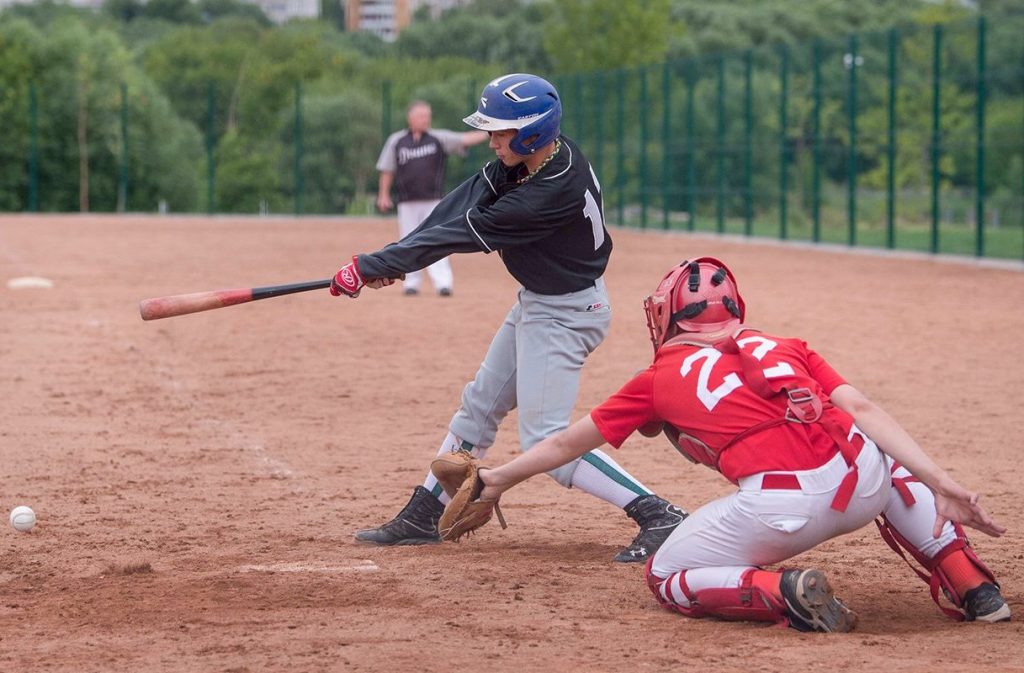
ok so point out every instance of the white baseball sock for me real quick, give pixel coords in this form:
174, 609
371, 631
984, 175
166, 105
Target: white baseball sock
600, 476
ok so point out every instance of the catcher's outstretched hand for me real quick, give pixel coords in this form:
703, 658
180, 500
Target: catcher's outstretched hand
459, 476
960, 505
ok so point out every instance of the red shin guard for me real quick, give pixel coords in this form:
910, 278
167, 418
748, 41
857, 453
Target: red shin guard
754, 600
955, 570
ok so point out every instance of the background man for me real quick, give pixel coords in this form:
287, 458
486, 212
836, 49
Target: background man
413, 161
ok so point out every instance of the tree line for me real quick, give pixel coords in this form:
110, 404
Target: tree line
124, 108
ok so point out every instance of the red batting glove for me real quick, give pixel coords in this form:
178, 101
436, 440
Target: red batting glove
348, 280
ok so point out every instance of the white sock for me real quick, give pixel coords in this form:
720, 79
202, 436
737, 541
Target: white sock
600, 476
451, 444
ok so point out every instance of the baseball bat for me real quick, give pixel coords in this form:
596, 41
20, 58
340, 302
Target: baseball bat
180, 304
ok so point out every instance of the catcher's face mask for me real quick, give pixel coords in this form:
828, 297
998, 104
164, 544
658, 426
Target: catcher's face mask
697, 295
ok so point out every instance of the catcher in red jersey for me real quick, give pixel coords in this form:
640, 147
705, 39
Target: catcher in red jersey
812, 457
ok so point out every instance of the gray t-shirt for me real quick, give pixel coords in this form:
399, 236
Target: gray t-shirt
419, 165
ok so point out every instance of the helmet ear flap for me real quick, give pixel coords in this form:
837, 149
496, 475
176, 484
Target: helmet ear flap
658, 307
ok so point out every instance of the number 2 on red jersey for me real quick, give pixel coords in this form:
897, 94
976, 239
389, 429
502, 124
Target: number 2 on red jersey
708, 357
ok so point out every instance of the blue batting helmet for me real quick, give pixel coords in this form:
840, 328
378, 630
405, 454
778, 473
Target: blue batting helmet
526, 103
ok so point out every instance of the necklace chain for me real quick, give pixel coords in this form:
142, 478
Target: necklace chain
547, 160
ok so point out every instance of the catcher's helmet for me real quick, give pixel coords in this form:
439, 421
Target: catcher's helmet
523, 102
697, 295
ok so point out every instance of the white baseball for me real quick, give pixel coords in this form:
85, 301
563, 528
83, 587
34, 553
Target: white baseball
23, 518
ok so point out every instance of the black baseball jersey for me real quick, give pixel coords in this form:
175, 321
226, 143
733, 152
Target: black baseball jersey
419, 165
549, 230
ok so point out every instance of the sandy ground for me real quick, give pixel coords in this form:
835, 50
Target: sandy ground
198, 479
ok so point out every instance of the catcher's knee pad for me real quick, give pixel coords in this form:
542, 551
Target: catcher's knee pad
745, 602
933, 574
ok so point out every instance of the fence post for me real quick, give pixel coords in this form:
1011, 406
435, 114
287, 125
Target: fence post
783, 144
578, 82
599, 123
890, 187
720, 149
691, 172
620, 173
299, 184
666, 142
468, 168
33, 154
643, 186
851, 182
210, 142
748, 142
385, 110
816, 123
936, 130
122, 177
979, 248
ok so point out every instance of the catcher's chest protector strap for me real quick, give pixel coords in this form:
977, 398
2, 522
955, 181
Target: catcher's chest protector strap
802, 406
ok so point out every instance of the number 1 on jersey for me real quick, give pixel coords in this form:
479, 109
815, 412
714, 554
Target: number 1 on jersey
592, 211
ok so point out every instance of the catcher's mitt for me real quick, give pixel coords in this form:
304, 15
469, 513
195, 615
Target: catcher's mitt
459, 476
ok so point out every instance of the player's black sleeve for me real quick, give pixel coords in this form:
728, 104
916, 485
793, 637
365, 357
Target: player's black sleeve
442, 233
522, 216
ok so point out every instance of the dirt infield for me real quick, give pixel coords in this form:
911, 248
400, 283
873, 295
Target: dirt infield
197, 479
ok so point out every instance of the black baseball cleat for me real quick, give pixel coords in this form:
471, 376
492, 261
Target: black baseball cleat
657, 519
986, 604
811, 605
410, 292
445, 292
415, 524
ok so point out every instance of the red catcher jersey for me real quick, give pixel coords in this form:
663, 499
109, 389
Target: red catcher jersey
701, 391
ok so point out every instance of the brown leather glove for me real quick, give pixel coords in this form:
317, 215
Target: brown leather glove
459, 476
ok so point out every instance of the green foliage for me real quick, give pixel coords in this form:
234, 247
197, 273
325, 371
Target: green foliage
21, 44
333, 12
124, 10
211, 10
44, 12
605, 34
188, 62
625, 107
176, 11
77, 72
247, 174
340, 141
495, 32
733, 25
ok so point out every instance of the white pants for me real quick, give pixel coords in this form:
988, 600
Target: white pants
410, 215
756, 527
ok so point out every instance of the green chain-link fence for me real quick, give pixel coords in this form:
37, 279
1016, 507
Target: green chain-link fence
910, 139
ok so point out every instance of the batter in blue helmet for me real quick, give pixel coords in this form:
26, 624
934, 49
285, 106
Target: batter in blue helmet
539, 206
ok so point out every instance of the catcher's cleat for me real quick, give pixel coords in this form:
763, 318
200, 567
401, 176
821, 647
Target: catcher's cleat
810, 604
657, 519
986, 604
415, 524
